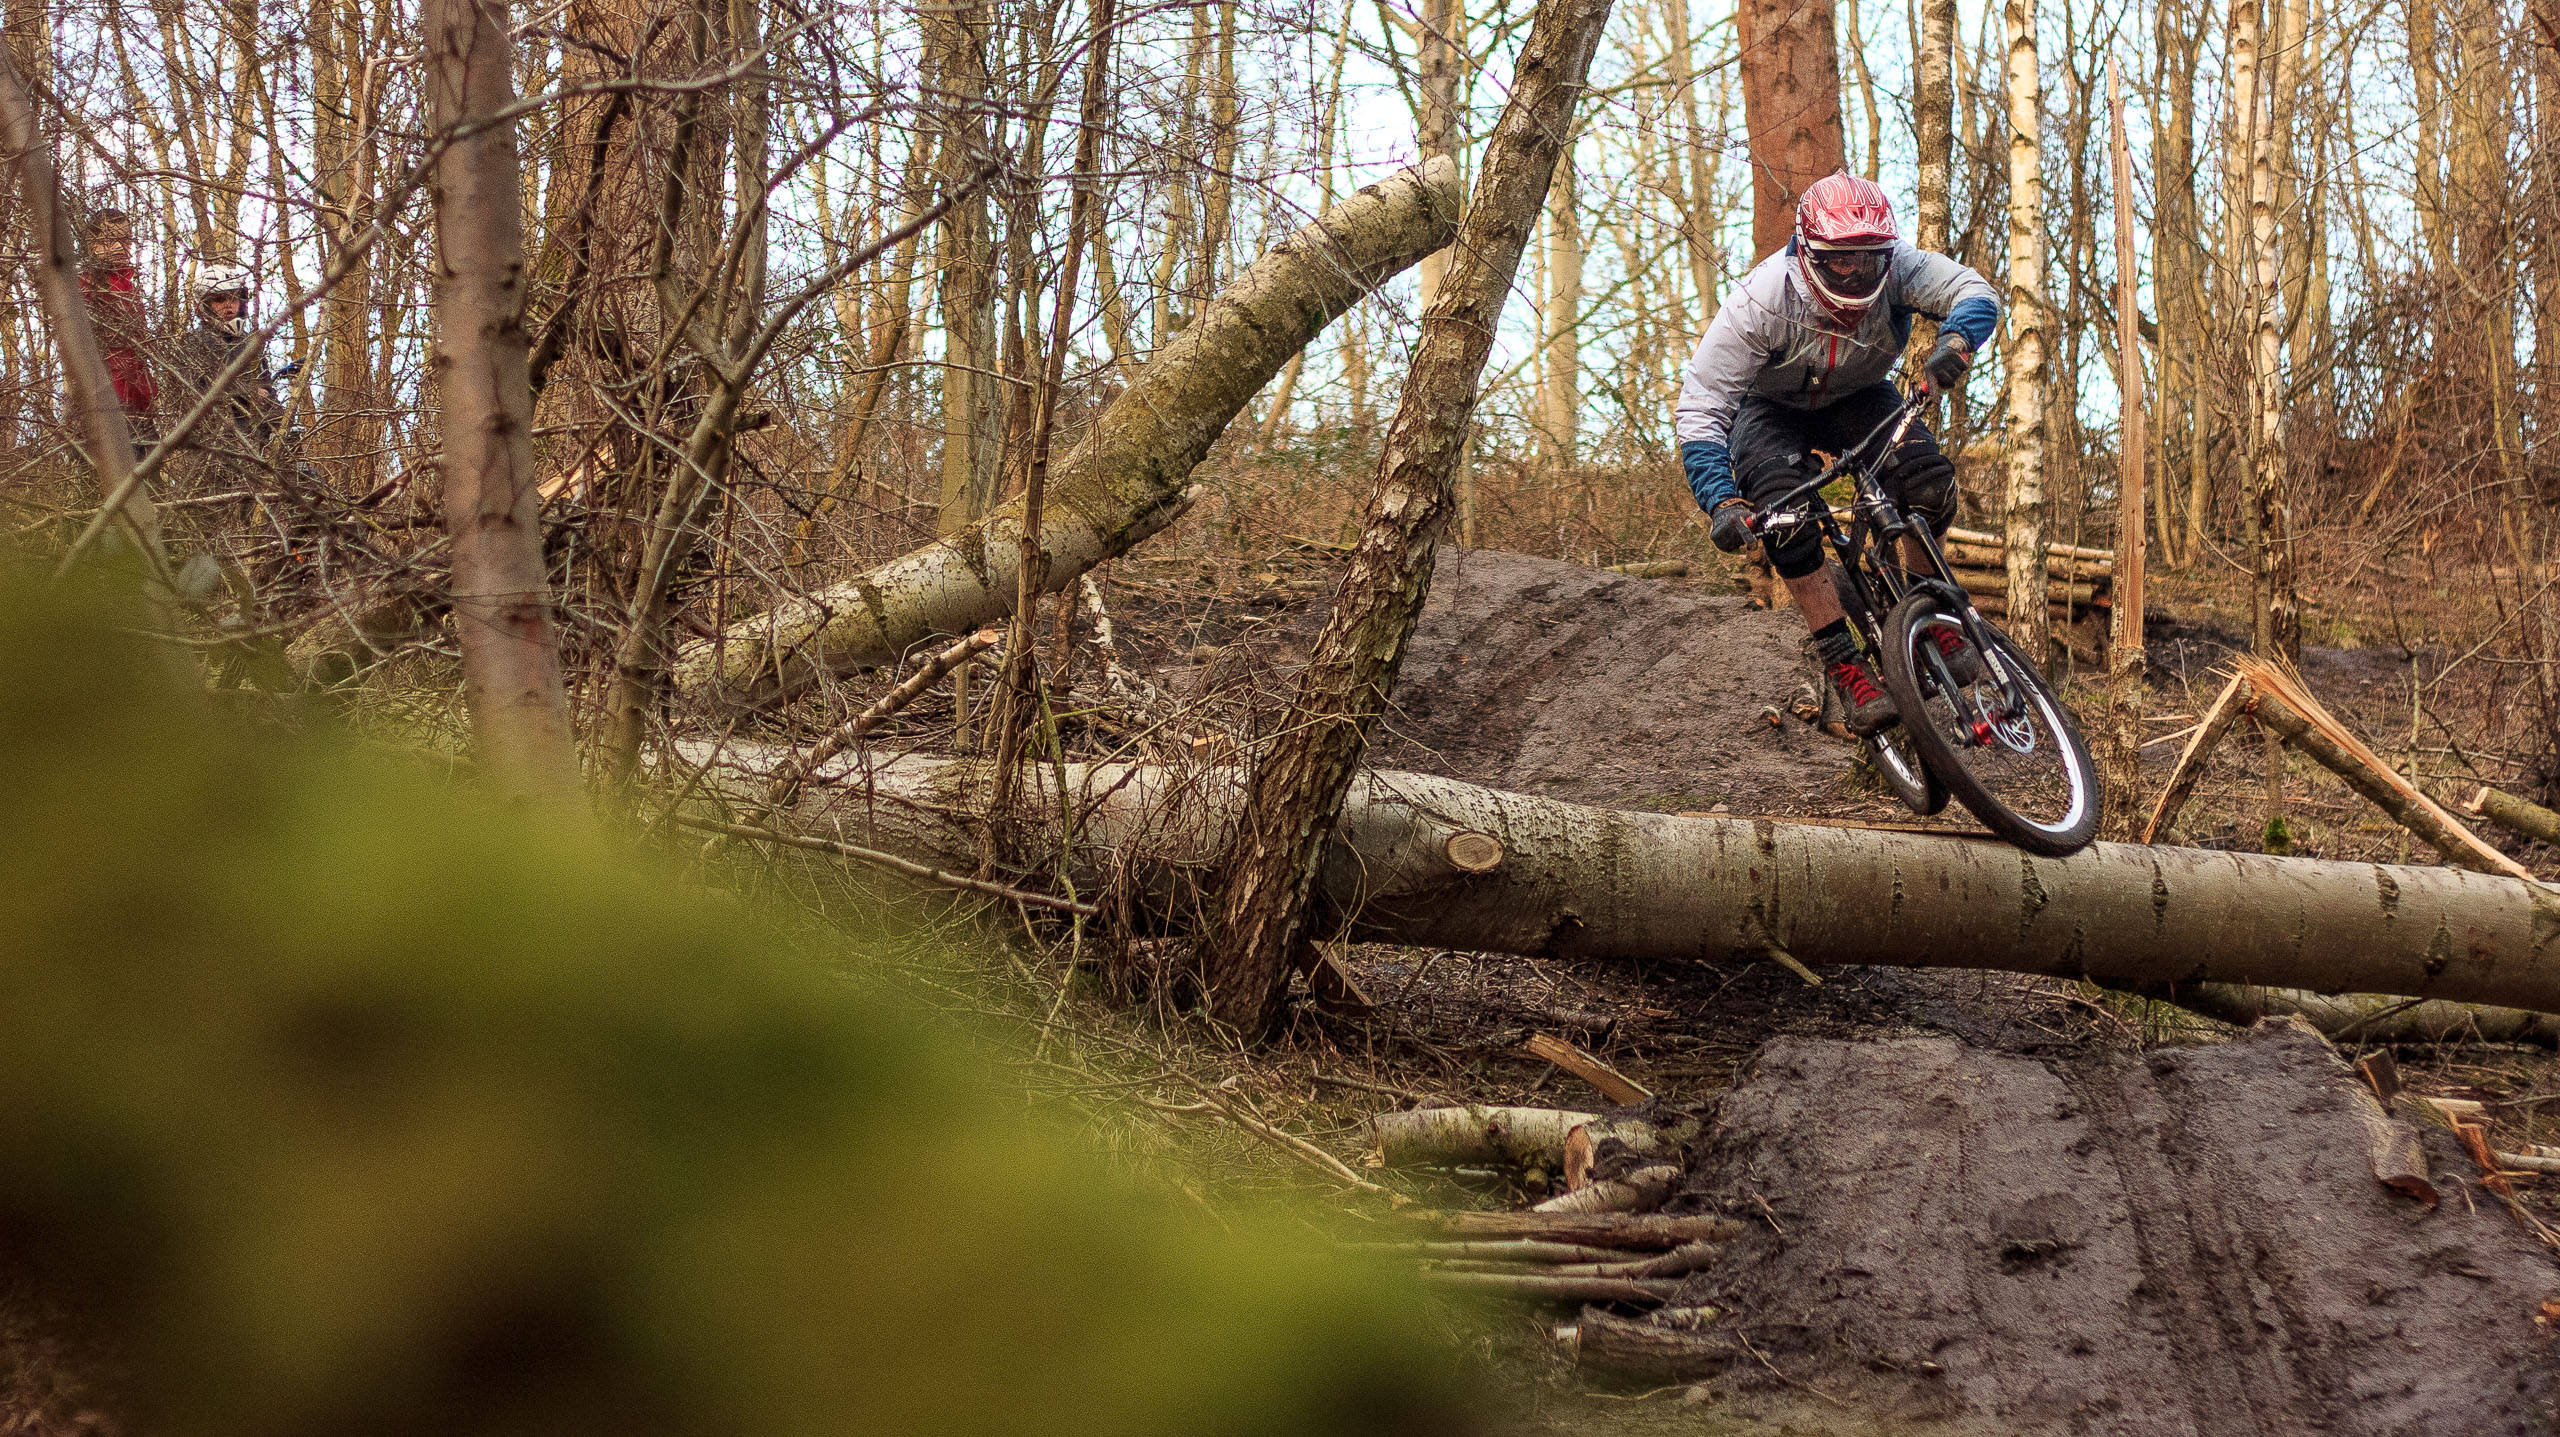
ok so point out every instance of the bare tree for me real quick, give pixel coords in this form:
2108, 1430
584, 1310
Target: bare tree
57, 273
501, 599
1299, 782
2023, 517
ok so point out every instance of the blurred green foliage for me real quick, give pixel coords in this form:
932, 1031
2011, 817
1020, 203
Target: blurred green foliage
349, 1104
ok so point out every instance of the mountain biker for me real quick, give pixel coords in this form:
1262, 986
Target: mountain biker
1801, 358
202, 353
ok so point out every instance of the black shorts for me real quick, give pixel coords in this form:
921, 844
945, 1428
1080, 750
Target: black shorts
1773, 446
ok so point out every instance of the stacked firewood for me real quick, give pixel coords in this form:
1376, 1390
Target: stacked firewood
2077, 580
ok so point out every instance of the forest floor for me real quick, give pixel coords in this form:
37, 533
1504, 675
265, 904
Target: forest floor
2202, 1257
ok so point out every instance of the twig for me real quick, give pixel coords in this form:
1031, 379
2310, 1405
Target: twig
906, 866
1291, 1144
787, 787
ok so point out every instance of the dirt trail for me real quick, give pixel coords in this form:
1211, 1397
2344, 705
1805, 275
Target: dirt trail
2182, 1242
1576, 683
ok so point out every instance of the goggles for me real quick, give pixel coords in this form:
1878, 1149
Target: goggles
1849, 273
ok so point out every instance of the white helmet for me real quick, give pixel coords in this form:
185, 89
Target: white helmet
216, 283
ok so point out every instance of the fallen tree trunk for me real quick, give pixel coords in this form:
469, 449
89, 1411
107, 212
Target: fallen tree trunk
1124, 482
2516, 815
1577, 882
2289, 711
1448, 1137
2374, 1017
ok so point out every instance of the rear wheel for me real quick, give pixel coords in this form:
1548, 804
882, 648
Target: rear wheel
2005, 747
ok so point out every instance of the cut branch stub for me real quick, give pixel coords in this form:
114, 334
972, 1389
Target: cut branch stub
1474, 852
1124, 481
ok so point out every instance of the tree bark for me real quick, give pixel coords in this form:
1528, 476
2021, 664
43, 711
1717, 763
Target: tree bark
2180, 412
2023, 516
1439, 132
1791, 108
971, 413
501, 602
1123, 482
1579, 883
2276, 626
2126, 686
1299, 782
1934, 131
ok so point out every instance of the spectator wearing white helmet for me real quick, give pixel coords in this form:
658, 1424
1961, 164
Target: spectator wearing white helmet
204, 352
1802, 358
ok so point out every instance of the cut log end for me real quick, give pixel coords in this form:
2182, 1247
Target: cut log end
1473, 852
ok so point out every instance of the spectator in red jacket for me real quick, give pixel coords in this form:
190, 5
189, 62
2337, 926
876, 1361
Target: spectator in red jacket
107, 283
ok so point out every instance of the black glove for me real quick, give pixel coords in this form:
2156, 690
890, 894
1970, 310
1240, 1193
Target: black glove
1947, 363
1732, 527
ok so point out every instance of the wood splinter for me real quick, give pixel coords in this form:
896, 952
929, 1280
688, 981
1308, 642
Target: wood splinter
1617, 1087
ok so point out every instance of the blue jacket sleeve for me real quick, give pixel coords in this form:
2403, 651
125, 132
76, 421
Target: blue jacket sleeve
1709, 466
1974, 319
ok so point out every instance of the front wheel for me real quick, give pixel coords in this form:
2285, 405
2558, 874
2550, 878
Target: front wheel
2005, 747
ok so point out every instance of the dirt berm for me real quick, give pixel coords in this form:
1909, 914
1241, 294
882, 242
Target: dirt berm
2189, 1241
1569, 682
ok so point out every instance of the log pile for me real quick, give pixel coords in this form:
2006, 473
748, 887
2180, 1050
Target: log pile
1602, 1244
2078, 581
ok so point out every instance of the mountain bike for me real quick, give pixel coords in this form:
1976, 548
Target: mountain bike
2003, 746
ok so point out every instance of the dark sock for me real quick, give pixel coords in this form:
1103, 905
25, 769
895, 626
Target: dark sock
1834, 643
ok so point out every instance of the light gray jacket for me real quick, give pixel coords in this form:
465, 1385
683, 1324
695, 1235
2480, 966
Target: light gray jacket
1775, 339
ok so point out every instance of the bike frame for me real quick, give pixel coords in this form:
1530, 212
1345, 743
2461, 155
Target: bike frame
1881, 585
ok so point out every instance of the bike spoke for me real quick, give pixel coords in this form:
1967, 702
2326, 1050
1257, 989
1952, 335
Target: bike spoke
2006, 733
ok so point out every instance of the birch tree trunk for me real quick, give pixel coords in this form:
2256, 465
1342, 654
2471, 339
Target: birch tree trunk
501, 602
2023, 518
1441, 58
1297, 785
1578, 884
1791, 107
1124, 482
2275, 626
1564, 317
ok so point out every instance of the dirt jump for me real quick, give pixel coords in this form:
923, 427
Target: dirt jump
1576, 683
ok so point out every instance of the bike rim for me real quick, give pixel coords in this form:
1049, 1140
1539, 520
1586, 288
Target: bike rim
2022, 757
1891, 753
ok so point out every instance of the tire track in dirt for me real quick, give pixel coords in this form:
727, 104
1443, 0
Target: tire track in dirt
2183, 1242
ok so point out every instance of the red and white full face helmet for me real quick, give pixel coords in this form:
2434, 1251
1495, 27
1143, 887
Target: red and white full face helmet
1844, 240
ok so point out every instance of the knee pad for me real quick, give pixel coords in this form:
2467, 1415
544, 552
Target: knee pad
1924, 483
1765, 477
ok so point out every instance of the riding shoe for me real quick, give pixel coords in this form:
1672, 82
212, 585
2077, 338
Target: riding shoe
1963, 664
1870, 707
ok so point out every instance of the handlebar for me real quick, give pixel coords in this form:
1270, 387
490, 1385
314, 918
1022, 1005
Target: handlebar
1777, 516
